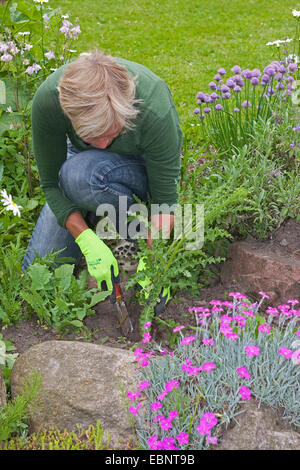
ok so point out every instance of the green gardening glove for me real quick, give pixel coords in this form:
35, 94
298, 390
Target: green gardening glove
99, 258
165, 292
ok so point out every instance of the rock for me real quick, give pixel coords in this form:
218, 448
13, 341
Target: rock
2, 390
82, 383
259, 429
268, 266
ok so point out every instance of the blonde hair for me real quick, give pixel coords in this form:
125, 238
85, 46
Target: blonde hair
98, 95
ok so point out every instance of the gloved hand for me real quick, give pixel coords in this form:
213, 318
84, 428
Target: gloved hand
99, 258
165, 292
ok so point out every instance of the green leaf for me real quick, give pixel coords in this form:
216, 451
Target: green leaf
99, 297
76, 323
17, 16
63, 275
40, 275
31, 204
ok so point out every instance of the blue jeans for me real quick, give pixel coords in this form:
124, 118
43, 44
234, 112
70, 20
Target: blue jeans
87, 178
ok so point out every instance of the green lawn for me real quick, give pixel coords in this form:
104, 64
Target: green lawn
184, 42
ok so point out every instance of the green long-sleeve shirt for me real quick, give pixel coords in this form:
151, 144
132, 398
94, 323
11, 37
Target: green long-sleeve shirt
157, 135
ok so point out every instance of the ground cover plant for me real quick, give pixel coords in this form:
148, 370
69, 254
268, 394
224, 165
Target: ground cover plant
236, 352
242, 166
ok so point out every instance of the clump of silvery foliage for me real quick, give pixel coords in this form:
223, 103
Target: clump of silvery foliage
234, 355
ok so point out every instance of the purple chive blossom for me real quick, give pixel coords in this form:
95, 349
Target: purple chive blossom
217, 78
247, 73
239, 81
245, 393
212, 86
254, 81
224, 88
256, 73
237, 89
200, 96
295, 129
226, 96
292, 144
230, 83
236, 110
265, 79
292, 68
221, 71
207, 98
278, 76
246, 104
218, 107
214, 96
196, 111
270, 70
207, 110
236, 69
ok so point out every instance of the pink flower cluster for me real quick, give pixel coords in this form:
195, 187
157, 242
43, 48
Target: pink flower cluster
168, 443
207, 422
142, 358
252, 350
289, 354
192, 370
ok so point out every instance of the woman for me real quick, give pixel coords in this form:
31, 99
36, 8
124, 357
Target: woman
102, 128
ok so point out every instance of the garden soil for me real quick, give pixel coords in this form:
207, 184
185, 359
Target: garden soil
100, 328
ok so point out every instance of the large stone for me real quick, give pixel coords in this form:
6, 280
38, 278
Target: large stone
259, 429
82, 383
271, 266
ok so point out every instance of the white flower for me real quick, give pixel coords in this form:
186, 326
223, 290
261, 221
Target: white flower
41, 1
9, 109
296, 13
23, 33
27, 47
9, 204
278, 42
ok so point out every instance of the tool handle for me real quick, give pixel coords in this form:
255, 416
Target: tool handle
116, 294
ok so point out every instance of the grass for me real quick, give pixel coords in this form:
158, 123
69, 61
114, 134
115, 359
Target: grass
183, 42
